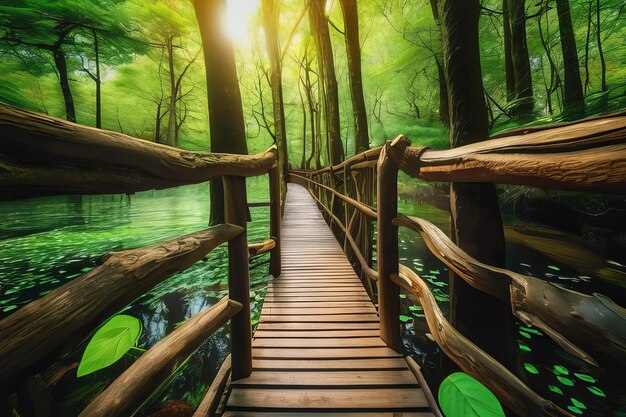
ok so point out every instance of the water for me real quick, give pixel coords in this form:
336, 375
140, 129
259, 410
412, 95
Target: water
539, 362
46, 242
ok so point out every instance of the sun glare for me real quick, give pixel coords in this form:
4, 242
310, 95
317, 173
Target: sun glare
238, 15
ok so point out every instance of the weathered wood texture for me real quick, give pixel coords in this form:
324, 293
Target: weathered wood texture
136, 385
212, 398
276, 212
583, 156
369, 155
38, 332
387, 247
471, 359
256, 249
43, 155
577, 322
317, 347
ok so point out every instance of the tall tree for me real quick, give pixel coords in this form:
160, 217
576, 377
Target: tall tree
270, 25
353, 48
519, 61
319, 27
225, 110
476, 220
573, 88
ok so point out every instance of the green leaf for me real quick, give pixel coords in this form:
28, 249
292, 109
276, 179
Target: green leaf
402, 295
561, 370
565, 381
460, 395
524, 347
578, 404
556, 389
531, 330
574, 409
596, 391
404, 318
586, 378
531, 368
109, 344
554, 268
526, 335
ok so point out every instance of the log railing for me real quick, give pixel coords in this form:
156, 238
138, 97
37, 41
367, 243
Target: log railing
589, 156
41, 156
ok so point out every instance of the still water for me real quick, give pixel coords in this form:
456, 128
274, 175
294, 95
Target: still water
46, 242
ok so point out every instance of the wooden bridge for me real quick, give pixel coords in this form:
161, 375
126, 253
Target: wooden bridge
318, 347
321, 346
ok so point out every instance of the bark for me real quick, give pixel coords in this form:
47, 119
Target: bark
60, 62
573, 104
353, 48
520, 60
96, 48
508, 60
170, 133
444, 105
225, 109
476, 220
603, 86
270, 25
319, 26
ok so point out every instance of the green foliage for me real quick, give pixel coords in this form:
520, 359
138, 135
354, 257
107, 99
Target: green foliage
460, 395
116, 337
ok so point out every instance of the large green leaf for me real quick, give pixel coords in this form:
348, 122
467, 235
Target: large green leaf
109, 344
460, 395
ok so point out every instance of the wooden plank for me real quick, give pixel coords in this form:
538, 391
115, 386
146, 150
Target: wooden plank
320, 353
311, 304
331, 318
272, 311
282, 334
329, 364
396, 378
315, 343
318, 326
326, 414
349, 399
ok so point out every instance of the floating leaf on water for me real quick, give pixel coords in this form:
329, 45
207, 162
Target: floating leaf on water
578, 404
526, 265
560, 370
596, 391
526, 335
586, 378
402, 295
565, 381
555, 389
530, 368
11, 291
9, 308
554, 268
574, 410
416, 308
419, 315
109, 344
435, 271
404, 318
524, 347
460, 395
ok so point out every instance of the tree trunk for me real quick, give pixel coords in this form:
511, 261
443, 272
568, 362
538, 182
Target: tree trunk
313, 116
573, 100
157, 124
521, 62
60, 63
444, 104
353, 48
225, 110
319, 27
170, 135
270, 25
603, 85
96, 49
508, 59
476, 221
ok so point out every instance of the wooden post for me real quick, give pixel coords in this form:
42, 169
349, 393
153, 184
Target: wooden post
275, 219
387, 247
235, 212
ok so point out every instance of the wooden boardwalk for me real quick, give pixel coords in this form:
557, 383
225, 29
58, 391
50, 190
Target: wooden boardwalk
317, 349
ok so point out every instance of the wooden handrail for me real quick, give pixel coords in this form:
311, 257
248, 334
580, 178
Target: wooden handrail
589, 156
211, 399
471, 359
126, 395
363, 208
38, 332
256, 249
369, 155
570, 318
43, 155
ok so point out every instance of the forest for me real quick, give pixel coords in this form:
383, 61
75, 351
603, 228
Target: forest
319, 87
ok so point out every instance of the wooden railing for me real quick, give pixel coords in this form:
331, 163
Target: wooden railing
589, 155
41, 155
